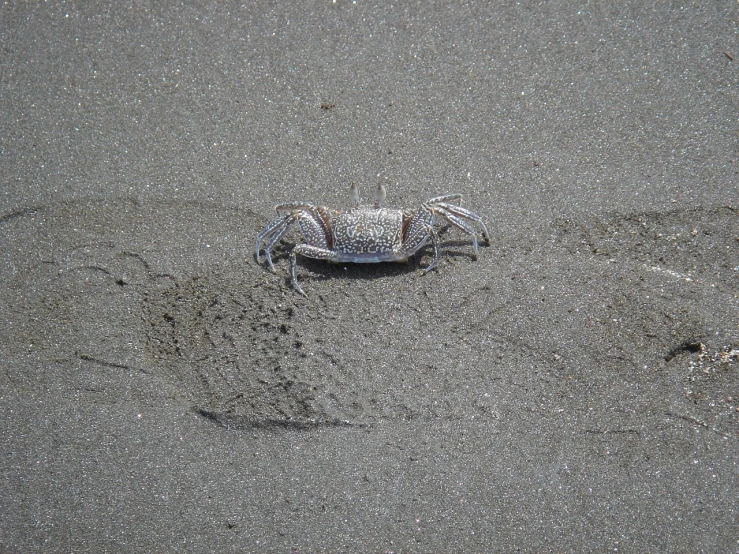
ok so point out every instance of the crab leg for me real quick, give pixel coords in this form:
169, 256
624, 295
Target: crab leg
278, 236
294, 207
294, 273
274, 232
268, 231
462, 226
435, 243
445, 198
464, 214
308, 251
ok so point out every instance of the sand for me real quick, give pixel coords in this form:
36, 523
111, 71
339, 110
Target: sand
574, 388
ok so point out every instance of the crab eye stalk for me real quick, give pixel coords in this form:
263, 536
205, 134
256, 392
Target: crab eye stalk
354, 195
381, 195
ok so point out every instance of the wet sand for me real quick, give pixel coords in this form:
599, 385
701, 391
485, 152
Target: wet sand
574, 388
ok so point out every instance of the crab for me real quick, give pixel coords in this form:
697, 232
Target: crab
366, 234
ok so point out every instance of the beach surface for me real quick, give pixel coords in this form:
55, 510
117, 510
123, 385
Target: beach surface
574, 388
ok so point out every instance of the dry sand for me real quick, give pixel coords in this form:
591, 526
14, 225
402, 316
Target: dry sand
575, 388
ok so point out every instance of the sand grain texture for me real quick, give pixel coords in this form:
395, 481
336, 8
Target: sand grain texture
575, 388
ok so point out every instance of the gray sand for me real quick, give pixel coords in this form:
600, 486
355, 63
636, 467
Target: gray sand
575, 388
